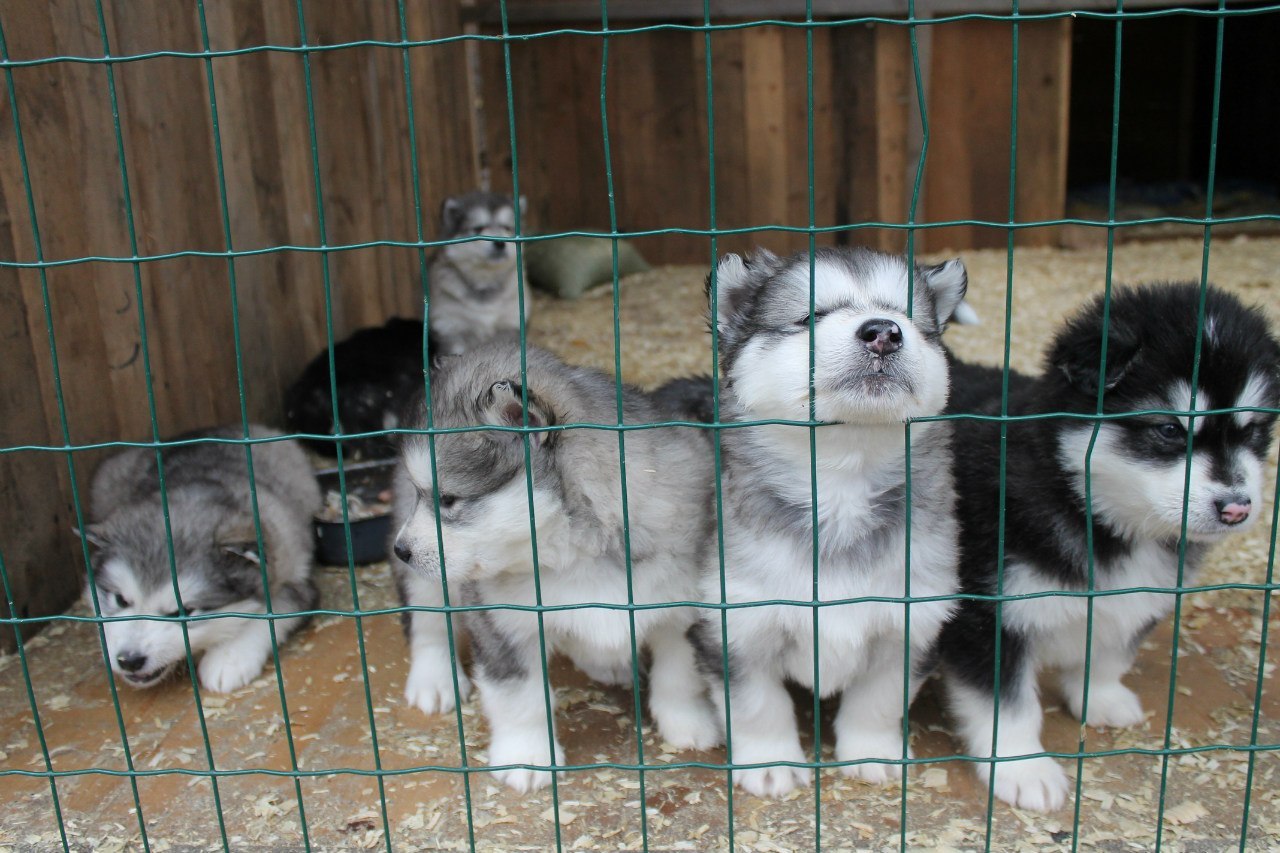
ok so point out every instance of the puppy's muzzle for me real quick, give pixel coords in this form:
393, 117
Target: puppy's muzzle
1234, 510
403, 551
880, 337
131, 661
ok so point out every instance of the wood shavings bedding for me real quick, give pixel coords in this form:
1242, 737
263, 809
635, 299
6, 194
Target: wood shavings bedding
663, 334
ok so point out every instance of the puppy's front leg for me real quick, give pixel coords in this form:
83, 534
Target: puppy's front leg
510, 683
762, 729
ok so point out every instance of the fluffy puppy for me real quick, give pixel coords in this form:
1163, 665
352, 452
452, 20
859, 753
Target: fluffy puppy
1135, 473
480, 484
475, 286
877, 362
215, 555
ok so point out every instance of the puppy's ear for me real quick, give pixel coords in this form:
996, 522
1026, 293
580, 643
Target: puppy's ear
452, 212
738, 279
503, 405
1078, 356
93, 534
947, 282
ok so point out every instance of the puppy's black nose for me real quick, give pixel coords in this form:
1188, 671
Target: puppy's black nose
499, 249
1233, 510
404, 552
131, 661
881, 336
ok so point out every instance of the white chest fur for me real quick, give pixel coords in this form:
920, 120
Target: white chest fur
1059, 622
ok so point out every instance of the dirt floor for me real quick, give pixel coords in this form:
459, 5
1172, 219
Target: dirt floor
663, 335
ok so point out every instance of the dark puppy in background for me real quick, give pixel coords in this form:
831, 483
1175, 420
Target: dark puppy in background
476, 286
480, 485
377, 369
215, 552
1137, 477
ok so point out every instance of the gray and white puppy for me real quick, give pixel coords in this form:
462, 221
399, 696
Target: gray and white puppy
215, 552
877, 362
577, 501
475, 286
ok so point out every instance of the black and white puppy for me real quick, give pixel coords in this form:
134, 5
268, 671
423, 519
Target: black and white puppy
1136, 475
877, 362
481, 485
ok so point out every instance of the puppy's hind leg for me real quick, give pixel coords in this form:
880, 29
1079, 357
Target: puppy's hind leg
677, 700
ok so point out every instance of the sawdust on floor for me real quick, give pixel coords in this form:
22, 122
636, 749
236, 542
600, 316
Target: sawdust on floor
328, 737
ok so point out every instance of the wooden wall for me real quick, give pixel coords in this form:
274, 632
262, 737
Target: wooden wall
866, 130
365, 159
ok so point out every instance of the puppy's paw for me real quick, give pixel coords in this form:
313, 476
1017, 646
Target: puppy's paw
770, 781
227, 668
429, 686
516, 750
862, 745
1037, 784
1112, 706
690, 724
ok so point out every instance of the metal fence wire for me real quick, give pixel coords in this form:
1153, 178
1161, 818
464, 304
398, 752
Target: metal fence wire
216, 774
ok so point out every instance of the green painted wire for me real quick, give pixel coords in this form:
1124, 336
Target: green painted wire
1002, 512
425, 285
637, 707
1195, 387
1260, 682
20, 642
781, 602
224, 209
103, 445
322, 233
524, 420
326, 772
1091, 580
912, 211
714, 326
910, 21
813, 430
36, 722
652, 232
127, 199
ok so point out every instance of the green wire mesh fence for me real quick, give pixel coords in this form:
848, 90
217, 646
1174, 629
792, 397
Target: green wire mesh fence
607, 32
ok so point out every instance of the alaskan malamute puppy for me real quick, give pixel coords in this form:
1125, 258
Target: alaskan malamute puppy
877, 362
1137, 477
479, 481
475, 286
215, 552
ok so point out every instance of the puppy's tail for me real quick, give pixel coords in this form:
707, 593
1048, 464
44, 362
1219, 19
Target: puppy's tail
689, 398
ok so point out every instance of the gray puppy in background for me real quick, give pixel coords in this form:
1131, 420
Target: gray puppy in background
877, 361
480, 480
215, 551
475, 286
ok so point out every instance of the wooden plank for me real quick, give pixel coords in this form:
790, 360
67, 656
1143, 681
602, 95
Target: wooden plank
873, 73
766, 134
967, 173
727, 88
